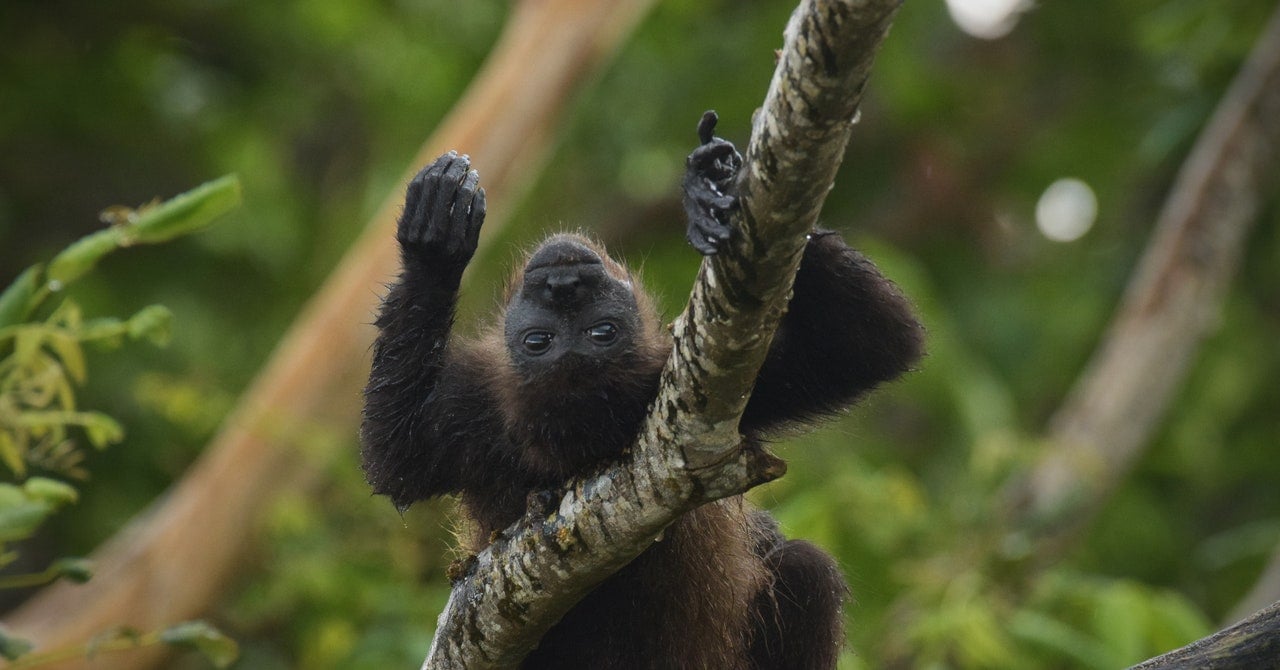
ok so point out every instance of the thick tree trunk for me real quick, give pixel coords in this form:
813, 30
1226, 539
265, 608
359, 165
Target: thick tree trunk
176, 560
1171, 305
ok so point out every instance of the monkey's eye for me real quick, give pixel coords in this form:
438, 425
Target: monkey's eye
537, 342
603, 333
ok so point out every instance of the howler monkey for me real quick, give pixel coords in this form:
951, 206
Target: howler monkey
559, 389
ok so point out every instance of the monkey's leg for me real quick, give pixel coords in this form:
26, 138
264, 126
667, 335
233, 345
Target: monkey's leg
798, 620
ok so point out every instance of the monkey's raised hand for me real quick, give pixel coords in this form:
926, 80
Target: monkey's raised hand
709, 177
443, 212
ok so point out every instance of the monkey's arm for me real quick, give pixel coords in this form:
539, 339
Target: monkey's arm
847, 329
409, 447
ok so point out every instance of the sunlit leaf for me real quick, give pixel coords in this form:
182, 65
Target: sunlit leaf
188, 212
81, 257
78, 570
1044, 631
70, 353
153, 323
1175, 621
65, 393
108, 330
19, 519
102, 429
68, 315
11, 495
26, 345
1120, 621
15, 302
210, 641
52, 491
11, 454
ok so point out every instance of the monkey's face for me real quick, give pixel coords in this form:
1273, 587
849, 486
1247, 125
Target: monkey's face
572, 311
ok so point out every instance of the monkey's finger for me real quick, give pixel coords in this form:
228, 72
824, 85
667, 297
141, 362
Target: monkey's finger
723, 203
722, 150
707, 126
460, 216
413, 227
447, 192
477, 219
717, 160
704, 245
462, 202
431, 188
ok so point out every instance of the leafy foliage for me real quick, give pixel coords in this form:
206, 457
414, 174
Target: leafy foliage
42, 361
318, 105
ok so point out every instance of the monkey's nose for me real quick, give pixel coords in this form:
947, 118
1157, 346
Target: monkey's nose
563, 287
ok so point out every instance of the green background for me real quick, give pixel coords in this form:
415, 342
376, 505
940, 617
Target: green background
319, 106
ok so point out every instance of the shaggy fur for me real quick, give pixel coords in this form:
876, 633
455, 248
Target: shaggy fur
560, 390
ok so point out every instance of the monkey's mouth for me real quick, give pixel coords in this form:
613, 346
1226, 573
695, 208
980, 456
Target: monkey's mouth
570, 369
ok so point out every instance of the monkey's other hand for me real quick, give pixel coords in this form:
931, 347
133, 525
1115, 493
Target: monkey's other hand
710, 172
443, 212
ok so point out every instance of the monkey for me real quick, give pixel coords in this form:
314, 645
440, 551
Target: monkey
558, 387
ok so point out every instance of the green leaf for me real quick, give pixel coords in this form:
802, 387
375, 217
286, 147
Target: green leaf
108, 329
15, 302
153, 323
1044, 631
52, 491
13, 647
188, 212
12, 455
11, 495
69, 353
19, 520
101, 429
81, 257
78, 570
1120, 622
1176, 621
26, 344
122, 637
199, 635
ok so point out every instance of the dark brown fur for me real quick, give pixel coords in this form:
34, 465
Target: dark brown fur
559, 389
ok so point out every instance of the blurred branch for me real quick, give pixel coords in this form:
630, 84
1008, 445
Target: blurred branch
689, 450
1265, 590
1252, 643
175, 561
1171, 304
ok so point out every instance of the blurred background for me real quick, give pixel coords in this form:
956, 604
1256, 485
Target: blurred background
1006, 171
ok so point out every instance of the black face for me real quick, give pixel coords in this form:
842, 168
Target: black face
569, 316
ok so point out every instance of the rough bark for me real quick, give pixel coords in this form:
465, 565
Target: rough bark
688, 452
1171, 304
176, 560
1249, 645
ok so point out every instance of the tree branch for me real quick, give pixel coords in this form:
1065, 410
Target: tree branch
1252, 643
688, 452
1171, 304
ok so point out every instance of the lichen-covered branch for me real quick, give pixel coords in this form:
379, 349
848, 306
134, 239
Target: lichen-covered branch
797, 143
688, 452
1252, 643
